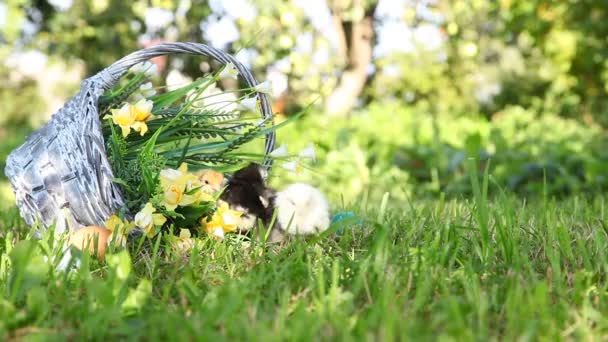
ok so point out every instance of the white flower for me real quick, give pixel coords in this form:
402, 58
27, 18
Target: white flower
147, 220
279, 152
139, 67
149, 69
309, 152
214, 99
249, 104
293, 166
229, 71
218, 232
147, 90
171, 174
152, 71
211, 89
144, 219
176, 79
264, 87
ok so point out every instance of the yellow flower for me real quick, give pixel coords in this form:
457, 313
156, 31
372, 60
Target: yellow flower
119, 228
147, 220
184, 242
123, 117
171, 175
194, 191
223, 220
141, 127
114, 223
181, 188
142, 111
133, 116
173, 196
173, 185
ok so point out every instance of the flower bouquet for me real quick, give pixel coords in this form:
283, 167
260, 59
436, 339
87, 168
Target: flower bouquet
131, 157
168, 150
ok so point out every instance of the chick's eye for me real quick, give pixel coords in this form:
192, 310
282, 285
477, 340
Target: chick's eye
206, 181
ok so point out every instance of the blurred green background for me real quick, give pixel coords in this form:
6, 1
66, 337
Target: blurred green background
405, 91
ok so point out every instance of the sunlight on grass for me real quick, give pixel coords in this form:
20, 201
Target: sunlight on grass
7, 197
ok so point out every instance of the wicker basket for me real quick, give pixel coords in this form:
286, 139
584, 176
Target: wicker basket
61, 174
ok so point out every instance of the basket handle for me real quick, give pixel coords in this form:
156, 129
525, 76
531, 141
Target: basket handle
110, 75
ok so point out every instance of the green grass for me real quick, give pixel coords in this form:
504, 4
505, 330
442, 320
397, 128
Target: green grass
462, 269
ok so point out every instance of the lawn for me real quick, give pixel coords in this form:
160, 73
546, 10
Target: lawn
479, 269
468, 138
459, 256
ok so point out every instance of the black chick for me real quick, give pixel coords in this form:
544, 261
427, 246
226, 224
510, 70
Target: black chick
246, 191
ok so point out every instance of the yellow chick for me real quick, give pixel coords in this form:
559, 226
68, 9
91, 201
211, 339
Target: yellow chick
212, 180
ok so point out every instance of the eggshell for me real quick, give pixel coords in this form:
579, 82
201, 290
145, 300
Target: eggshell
85, 237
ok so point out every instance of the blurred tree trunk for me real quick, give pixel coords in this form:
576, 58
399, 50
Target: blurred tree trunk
354, 24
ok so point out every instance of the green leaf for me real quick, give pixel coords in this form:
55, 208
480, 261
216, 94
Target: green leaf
121, 182
168, 98
137, 297
192, 214
37, 302
185, 150
29, 269
194, 190
120, 264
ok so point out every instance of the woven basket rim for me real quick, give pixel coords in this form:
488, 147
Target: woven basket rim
62, 174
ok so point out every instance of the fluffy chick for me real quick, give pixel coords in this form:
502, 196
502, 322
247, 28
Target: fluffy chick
212, 180
302, 209
246, 192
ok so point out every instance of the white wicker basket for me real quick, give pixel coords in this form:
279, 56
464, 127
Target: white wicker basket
61, 174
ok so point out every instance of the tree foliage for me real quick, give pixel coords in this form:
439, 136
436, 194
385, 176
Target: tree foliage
545, 56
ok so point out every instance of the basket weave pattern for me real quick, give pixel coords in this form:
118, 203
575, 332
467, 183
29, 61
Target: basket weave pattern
61, 174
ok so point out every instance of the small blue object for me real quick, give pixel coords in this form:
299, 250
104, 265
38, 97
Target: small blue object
343, 219
341, 216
